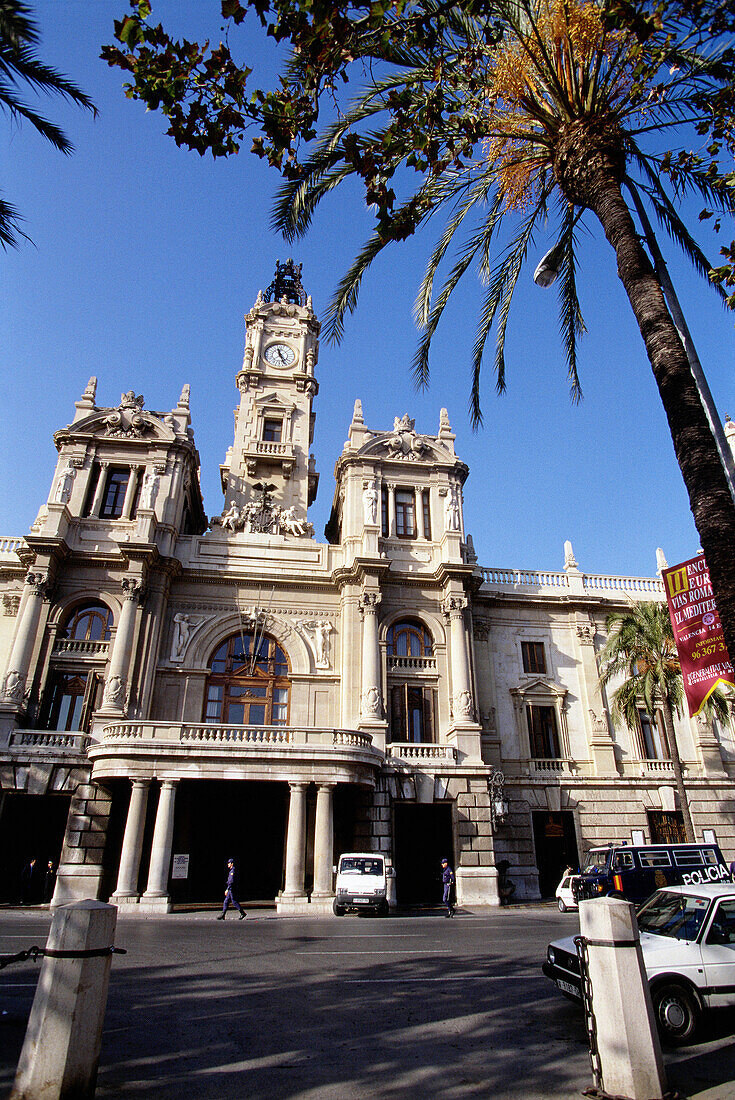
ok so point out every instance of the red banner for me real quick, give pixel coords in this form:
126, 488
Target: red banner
697, 630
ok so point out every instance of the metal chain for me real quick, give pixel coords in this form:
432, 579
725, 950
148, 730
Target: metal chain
34, 953
589, 1015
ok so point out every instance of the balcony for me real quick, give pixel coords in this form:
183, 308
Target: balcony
266, 452
26, 747
411, 664
545, 766
210, 750
411, 750
80, 647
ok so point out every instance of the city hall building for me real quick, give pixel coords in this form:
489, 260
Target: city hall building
179, 689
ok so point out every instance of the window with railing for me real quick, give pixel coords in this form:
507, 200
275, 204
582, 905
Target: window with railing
248, 683
90, 622
653, 744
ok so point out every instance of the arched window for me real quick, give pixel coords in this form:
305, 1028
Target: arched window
248, 682
90, 622
409, 639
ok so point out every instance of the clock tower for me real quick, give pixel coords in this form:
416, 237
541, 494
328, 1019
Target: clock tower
274, 425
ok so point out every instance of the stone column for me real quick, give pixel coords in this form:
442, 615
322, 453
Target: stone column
296, 844
462, 703
391, 509
371, 695
132, 846
116, 686
601, 745
130, 492
14, 683
323, 842
156, 894
99, 490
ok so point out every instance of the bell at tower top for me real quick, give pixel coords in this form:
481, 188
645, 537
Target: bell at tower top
286, 285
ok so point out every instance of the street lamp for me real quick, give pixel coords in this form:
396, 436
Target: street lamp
546, 273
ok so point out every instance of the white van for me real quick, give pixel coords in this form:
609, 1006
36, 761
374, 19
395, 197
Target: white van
362, 883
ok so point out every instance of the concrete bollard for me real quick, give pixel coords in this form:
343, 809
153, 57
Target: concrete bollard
61, 1049
628, 1046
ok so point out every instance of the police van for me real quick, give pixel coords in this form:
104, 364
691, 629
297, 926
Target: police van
634, 872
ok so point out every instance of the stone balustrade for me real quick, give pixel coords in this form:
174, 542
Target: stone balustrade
411, 664
80, 647
49, 739
551, 766
555, 583
205, 733
9, 546
410, 750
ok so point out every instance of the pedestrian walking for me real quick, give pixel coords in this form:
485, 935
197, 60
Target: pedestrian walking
448, 885
229, 892
506, 888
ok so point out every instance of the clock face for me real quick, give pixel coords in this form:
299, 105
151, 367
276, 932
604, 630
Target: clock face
279, 355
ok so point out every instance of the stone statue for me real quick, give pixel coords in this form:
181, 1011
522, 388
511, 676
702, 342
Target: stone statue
182, 633
322, 630
149, 492
291, 523
231, 519
451, 510
64, 485
370, 502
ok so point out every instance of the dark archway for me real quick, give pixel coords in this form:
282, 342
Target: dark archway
31, 826
555, 843
423, 837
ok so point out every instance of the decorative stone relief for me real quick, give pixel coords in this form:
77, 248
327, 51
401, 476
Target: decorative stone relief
570, 562
133, 589
39, 583
404, 442
11, 603
369, 602
454, 605
585, 633
13, 686
463, 706
184, 626
265, 519
316, 633
599, 724
127, 420
371, 703
115, 689
481, 630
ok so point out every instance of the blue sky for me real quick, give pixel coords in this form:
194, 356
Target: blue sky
145, 258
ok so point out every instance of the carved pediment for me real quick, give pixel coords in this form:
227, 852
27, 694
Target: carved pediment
405, 446
539, 690
128, 421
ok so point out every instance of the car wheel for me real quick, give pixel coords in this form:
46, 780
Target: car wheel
338, 910
382, 909
562, 906
676, 1012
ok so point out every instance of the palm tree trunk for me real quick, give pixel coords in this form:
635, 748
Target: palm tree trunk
588, 169
676, 764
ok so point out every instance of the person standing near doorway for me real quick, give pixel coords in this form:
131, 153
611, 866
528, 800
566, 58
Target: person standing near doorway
28, 883
448, 886
229, 892
49, 883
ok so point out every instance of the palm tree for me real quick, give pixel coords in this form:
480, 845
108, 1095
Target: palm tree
641, 647
18, 39
532, 113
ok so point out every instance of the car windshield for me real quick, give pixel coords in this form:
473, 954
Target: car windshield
357, 865
679, 916
596, 861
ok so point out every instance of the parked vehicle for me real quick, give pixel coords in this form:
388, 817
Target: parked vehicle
634, 872
688, 942
567, 892
362, 884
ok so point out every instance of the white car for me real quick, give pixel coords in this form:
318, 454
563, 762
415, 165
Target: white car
566, 893
688, 943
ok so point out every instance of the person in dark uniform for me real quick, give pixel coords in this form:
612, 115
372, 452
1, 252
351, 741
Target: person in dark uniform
448, 885
28, 883
49, 881
229, 892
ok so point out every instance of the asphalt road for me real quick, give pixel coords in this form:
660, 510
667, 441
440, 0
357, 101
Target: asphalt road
409, 1006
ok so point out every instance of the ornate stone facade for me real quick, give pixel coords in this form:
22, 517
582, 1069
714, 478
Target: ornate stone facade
164, 675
